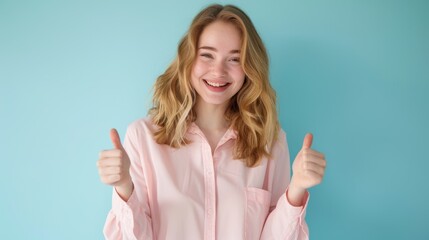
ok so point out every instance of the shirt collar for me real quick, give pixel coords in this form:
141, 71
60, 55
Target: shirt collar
229, 134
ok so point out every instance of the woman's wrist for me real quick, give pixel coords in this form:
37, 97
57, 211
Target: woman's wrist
125, 190
295, 195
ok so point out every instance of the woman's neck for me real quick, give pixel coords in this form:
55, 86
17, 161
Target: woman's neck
211, 120
211, 117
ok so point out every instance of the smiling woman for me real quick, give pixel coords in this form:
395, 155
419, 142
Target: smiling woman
210, 161
353, 72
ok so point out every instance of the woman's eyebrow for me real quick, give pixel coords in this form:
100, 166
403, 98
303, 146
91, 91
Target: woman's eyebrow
215, 50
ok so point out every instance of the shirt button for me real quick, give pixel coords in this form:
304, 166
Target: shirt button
209, 211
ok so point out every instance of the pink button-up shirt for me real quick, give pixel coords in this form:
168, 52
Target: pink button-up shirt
189, 193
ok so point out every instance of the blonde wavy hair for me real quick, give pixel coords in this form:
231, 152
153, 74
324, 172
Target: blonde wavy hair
251, 112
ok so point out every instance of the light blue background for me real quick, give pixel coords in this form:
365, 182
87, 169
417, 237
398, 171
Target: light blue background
354, 73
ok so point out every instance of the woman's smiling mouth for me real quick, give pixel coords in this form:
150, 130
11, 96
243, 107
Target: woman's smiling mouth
215, 84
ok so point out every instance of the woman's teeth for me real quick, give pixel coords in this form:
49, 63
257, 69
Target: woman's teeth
213, 84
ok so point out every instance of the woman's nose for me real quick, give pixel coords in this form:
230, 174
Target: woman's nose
218, 69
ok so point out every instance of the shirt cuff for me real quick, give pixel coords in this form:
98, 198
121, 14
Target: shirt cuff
121, 207
294, 211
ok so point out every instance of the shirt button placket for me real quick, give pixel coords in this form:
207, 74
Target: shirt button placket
210, 191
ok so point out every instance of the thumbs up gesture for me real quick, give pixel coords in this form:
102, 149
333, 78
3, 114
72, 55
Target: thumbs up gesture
308, 167
114, 166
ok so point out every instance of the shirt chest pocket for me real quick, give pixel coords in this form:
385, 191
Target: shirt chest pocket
256, 212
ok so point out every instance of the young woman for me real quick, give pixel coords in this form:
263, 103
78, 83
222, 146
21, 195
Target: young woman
210, 161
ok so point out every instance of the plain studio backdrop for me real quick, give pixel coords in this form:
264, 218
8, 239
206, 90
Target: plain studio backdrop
354, 73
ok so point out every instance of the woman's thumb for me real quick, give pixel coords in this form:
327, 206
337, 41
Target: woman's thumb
116, 140
308, 140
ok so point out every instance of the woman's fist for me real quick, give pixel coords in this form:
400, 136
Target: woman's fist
308, 167
114, 164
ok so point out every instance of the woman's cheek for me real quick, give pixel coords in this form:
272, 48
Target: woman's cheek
238, 73
199, 68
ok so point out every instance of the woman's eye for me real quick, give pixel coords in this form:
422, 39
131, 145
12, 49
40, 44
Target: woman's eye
206, 55
235, 59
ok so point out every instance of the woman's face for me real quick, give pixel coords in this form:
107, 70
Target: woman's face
217, 74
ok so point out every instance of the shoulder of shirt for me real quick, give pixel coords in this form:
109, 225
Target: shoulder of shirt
279, 148
281, 134
281, 140
142, 125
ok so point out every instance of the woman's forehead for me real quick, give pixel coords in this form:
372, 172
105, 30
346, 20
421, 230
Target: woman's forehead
219, 36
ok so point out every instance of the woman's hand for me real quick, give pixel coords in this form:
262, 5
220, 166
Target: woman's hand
114, 167
308, 171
